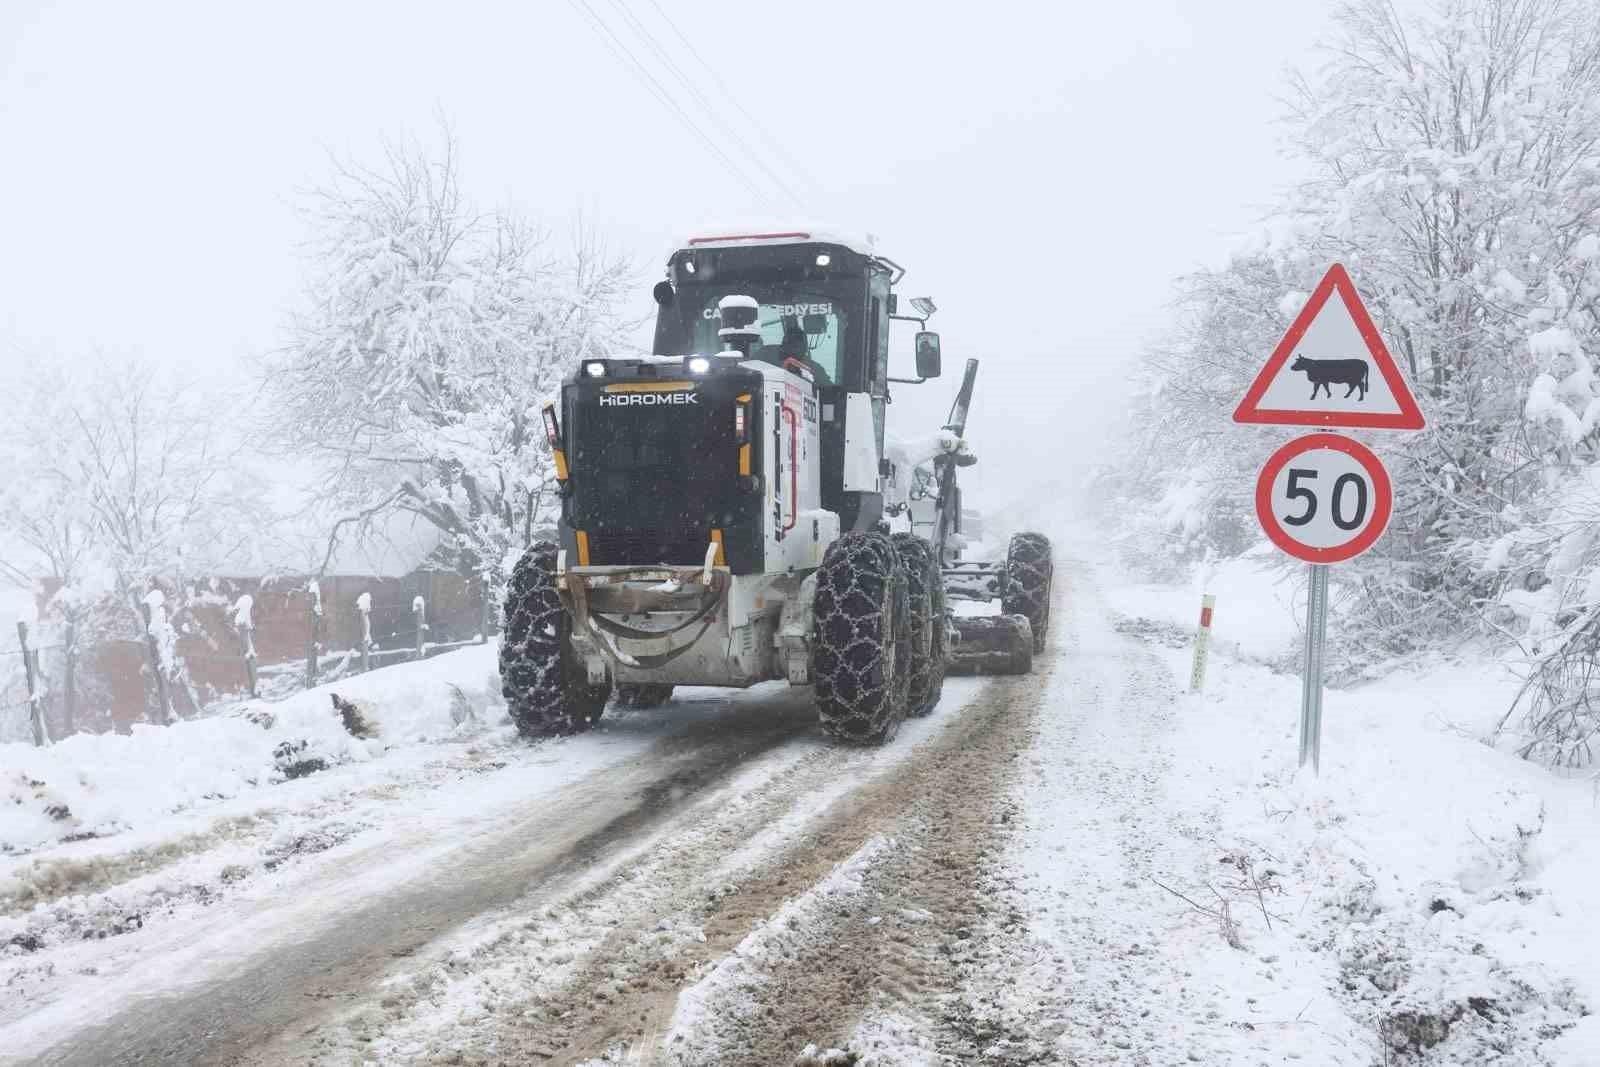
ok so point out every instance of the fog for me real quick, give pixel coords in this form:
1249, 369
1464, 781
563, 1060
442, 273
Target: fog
1043, 173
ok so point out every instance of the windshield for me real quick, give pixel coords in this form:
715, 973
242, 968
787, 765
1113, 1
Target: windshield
812, 299
803, 321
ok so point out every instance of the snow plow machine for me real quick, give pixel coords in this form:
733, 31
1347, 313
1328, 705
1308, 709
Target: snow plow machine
734, 512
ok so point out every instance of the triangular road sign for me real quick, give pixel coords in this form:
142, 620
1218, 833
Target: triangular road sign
1331, 369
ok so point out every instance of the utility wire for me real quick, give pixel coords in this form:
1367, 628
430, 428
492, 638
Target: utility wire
706, 105
727, 92
623, 54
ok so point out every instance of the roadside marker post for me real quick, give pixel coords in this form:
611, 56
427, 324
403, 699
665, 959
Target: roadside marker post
1325, 498
1202, 643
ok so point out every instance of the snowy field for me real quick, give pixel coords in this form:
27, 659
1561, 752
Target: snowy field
1426, 890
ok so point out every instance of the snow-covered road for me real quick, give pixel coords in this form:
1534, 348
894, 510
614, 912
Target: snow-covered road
1060, 868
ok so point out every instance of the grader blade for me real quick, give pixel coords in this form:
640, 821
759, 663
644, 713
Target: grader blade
992, 644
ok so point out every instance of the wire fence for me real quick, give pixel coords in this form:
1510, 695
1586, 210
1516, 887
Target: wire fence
185, 676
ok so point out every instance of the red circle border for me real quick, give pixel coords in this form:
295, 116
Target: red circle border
1383, 492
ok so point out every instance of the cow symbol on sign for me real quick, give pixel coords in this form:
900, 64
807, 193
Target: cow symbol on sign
1326, 373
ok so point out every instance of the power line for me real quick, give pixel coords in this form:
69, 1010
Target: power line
727, 92
625, 55
706, 105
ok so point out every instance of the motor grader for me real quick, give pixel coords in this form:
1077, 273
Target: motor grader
734, 510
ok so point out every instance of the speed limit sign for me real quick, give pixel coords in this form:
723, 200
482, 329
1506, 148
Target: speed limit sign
1324, 498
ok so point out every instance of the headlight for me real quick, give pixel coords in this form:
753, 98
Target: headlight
595, 370
699, 364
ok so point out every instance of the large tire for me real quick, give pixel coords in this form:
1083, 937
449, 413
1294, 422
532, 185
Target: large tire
546, 688
643, 695
930, 642
1025, 590
863, 639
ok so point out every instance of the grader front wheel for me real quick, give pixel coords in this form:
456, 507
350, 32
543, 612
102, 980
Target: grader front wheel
1025, 586
546, 688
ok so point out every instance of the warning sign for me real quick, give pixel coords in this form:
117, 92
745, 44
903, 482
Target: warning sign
1332, 369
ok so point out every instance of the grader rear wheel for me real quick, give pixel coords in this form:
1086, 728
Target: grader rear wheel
930, 646
863, 639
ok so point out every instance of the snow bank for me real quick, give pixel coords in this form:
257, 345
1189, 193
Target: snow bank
1256, 614
93, 785
1445, 887
1440, 892
1453, 884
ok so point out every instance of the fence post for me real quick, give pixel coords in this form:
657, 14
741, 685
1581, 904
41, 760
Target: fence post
244, 621
364, 606
69, 680
419, 612
30, 664
314, 638
483, 609
153, 602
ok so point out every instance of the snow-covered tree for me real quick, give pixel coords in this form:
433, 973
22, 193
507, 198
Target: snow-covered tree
1453, 164
433, 334
1456, 169
1183, 492
125, 482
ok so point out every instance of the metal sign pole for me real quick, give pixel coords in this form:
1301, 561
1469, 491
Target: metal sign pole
1304, 492
1311, 683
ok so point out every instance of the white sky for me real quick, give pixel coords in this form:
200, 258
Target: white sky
1042, 170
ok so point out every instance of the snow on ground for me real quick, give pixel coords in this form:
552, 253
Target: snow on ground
100, 785
1257, 607
1183, 892
110, 841
190, 898
1425, 895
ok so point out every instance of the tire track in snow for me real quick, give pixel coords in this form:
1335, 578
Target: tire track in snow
895, 923
1098, 827
895, 917
600, 972
233, 1019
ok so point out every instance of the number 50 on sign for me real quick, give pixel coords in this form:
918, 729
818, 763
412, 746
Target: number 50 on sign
1324, 498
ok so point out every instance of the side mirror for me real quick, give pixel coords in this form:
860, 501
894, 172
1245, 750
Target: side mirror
664, 293
927, 354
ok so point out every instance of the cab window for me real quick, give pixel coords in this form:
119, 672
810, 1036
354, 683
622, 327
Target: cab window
797, 322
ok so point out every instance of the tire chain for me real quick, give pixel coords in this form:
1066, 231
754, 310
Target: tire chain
542, 695
1028, 574
861, 685
925, 584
